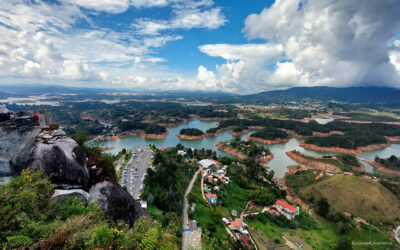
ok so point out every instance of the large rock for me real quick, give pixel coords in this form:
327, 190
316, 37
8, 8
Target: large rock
61, 196
49, 150
61, 158
16, 147
118, 203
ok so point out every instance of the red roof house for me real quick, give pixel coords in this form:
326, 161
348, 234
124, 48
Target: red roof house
237, 223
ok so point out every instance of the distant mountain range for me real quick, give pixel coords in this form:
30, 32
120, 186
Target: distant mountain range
365, 95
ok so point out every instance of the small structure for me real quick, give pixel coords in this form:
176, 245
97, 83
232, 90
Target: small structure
210, 178
225, 220
193, 225
212, 198
234, 213
143, 204
236, 223
181, 152
245, 240
286, 210
273, 212
206, 163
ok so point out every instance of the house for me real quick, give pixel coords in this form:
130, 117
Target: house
212, 198
206, 163
245, 239
286, 210
225, 220
236, 223
181, 152
273, 212
210, 178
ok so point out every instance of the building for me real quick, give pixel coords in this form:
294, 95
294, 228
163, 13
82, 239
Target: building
273, 212
206, 163
236, 223
245, 240
181, 152
286, 210
212, 198
143, 204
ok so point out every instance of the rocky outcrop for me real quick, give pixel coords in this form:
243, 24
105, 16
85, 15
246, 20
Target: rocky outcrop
61, 195
16, 147
269, 142
358, 150
191, 137
313, 163
118, 204
61, 158
50, 150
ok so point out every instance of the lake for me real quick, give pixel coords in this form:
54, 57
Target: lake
278, 164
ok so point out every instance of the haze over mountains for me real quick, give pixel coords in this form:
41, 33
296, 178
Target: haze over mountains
375, 95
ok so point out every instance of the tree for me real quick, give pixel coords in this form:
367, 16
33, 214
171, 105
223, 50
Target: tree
262, 196
323, 207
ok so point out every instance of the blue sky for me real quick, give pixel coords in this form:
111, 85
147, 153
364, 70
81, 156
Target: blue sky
200, 44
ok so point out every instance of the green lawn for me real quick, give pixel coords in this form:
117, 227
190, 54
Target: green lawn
235, 198
356, 195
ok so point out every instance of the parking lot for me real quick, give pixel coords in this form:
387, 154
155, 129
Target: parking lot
135, 171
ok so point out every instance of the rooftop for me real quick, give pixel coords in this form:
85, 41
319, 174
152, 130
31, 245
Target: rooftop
286, 205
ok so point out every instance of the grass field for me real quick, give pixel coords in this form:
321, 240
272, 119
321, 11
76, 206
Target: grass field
361, 197
303, 179
235, 198
322, 237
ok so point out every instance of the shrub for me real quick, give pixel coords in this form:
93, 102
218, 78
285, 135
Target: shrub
19, 241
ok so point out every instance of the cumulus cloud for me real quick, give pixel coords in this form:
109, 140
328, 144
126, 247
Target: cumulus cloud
41, 42
186, 15
322, 42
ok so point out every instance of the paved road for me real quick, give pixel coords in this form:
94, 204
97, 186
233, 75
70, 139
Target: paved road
133, 173
187, 234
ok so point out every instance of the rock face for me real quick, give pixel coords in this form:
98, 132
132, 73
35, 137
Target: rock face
16, 147
62, 158
61, 196
118, 204
49, 150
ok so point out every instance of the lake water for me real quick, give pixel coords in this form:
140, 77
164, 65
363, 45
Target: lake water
278, 164
324, 120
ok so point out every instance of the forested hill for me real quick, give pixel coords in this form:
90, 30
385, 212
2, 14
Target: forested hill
375, 95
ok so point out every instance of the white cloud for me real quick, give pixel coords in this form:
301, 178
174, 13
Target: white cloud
206, 78
111, 6
183, 19
322, 42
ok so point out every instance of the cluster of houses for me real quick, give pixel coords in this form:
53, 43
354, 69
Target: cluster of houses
214, 175
237, 228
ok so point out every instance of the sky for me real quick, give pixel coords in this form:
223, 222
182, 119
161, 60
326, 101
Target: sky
210, 45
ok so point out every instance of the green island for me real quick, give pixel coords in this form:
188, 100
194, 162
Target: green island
191, 132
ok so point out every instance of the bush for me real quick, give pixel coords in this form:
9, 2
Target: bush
19, 241
73, 206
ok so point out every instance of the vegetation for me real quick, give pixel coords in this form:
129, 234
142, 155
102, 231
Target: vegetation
191, 132
155, 129
270, 134
351, 140
165, 186
248, 148
358, 196
30, 219
393, 162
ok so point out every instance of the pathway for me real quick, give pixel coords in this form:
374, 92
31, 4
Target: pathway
189, 239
